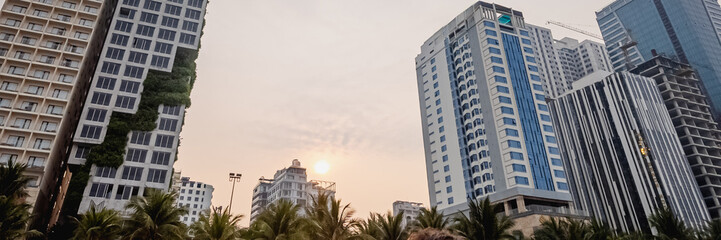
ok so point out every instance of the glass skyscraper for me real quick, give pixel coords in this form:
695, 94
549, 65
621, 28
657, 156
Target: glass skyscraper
687, 30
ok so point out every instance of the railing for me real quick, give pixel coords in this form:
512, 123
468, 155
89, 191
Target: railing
547, 210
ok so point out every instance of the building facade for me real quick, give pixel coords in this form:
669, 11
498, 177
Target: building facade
692, 117
561, 62
289, 184
486, 126
623, 154
196, 197
48, 54
687, 31
410, 211
127, 137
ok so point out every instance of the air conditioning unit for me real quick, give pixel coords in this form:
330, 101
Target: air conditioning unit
29, 108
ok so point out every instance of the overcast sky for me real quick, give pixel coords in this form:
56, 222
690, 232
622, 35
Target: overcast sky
324, 80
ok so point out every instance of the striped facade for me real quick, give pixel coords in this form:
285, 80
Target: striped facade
623, 154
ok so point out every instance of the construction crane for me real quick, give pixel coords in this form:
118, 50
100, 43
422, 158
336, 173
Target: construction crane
575, 29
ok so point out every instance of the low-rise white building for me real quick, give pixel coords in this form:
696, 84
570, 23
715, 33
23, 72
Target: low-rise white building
196, 197
410, 211
290, 184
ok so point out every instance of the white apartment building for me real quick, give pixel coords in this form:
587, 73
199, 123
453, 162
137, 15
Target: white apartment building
290, 184
196, 197
145, 36
561, 62
410, 211
46, 62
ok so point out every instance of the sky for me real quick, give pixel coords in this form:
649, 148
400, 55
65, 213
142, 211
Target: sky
324, 80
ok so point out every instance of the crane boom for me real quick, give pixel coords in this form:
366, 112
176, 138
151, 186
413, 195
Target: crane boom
578, 30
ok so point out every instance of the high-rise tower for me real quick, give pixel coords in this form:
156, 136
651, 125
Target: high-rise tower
688, 31
486, 126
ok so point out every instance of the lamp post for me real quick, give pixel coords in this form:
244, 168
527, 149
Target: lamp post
233, 177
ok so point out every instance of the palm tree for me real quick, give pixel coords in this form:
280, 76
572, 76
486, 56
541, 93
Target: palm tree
329, 219
217, 226
669, 226
391, 227
98, 225
369, 229
431, 218
155, 217
600, 230
551, 229
12, 180
482, 222
280, 221
712, 231
14, 212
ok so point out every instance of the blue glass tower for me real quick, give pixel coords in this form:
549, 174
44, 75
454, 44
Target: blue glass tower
686, 30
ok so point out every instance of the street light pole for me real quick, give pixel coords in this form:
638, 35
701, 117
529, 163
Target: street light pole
233, 177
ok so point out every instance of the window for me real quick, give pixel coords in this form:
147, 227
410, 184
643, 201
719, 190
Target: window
551, 139
516, 156
127, 13
137, 57
126, 192
60, 94
22, 123
449, 189
141, 138
156, 175
559, 173
105, 172
166, 34
129, 86
195, 3
90, 9
491, 32
518, 167
90, 131
171, 110
9, 86
110, 67
556, 162
47, 126
440, 119
562, 186
136, 155
543, 107
192, 14
147, 31
498, 69
118, 39
190, 26
140, 43
504, 99
553, 150
135, 72
511, 132
187, 38
492, 41
160, 158
528, 50
15, 141
132, 173
82, 35
506, 110
125, 102
105, 83
97, 115
545, 117
172, 9
547, 128
101, 190
133, 3
514, 144
509, 121
445, 158
35, 26
163, 47
161, 62
115, 53
525, 41
444, 148
502, 89
149, 17
170, 22
448, 178
101, 98
152, 5
165, 141
496, 60
446, 168
521, 180
168, 124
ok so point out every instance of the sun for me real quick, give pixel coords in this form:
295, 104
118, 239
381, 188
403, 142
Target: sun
321, 167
